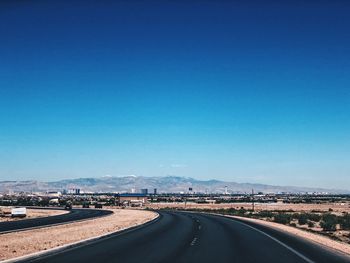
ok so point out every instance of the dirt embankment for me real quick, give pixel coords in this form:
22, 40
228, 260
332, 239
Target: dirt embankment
26, 242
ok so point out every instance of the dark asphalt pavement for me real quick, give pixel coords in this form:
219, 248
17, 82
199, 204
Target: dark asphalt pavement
73, 215
194, 237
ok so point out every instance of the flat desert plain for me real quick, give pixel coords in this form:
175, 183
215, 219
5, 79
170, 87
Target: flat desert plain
279, 206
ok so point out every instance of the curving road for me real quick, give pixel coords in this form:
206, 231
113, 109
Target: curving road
194, 237
73, 215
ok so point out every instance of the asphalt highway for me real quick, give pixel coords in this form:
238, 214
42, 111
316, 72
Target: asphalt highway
73, 215
194, 237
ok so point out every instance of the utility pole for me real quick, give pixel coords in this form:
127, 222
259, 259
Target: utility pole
253, 206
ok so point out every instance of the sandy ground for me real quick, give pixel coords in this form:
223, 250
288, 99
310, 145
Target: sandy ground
345, 248
34, 213
336, 207
27, 242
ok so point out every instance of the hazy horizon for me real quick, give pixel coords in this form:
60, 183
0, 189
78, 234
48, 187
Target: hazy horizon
233, 91
186, 177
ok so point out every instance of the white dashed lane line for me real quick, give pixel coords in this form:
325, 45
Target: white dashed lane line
194, 241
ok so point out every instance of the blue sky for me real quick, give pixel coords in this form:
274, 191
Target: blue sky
237, 91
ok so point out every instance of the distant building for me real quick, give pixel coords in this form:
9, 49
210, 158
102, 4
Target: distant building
73, 191
131, 199
53, 194
144, 191
155, 191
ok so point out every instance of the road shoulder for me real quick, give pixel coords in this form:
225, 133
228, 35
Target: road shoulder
321, 240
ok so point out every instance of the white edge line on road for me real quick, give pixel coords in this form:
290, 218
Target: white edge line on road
262, 232
70, 246
279, 242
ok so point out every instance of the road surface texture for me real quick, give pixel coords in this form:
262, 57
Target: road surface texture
195, 237
73, 215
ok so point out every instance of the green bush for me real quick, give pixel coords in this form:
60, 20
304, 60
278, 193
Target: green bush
265, 214
303, 218
314, 217
241, 211
282, 218
306, 216
345, 222
231, 211
329, 222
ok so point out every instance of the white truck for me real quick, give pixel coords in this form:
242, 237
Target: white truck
19, 212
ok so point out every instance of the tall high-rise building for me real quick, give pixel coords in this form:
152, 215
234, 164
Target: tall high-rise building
73, 191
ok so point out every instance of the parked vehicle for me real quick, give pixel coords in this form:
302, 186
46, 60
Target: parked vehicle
19, 212
68, 206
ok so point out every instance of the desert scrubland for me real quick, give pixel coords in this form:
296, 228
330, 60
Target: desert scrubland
336, 207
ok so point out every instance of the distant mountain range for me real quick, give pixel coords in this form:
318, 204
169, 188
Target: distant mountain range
173, 184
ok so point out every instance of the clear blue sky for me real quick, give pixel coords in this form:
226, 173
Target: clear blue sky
237, 91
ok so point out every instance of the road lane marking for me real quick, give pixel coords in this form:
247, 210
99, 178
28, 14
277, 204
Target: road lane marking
193, 241
279, 242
